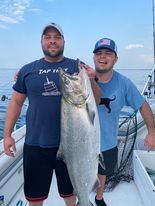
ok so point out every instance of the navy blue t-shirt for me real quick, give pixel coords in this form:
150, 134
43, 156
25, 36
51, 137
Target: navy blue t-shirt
39, 80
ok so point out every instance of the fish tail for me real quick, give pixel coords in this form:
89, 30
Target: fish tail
101, 161
96, 184
89, 204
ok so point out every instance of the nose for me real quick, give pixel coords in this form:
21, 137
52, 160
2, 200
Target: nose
103, 54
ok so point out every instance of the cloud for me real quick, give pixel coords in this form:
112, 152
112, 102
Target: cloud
2, 26
12, 11
35, 9
134, 46
8, 19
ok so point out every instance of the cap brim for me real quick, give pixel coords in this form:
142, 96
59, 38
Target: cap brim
51, 26
103, 47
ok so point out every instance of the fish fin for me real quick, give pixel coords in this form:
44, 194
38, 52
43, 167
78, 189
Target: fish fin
96, 184
101, 161
78, 203
59, 155
78, 65
89, 204
74, 192
90, 112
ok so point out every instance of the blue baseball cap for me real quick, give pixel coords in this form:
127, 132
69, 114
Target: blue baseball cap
105, 43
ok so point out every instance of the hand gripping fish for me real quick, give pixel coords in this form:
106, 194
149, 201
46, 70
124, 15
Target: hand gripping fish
80, 134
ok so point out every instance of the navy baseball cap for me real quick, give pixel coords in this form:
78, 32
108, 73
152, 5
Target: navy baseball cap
53, 25
105, 43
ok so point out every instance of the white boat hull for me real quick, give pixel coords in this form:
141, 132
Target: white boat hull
11, 178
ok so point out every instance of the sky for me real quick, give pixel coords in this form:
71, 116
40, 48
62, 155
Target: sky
128, 22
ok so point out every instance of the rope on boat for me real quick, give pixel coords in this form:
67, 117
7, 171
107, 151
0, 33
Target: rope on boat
124, 170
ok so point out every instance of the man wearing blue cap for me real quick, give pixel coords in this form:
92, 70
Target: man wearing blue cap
116, 92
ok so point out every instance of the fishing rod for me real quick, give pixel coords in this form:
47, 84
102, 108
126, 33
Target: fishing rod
4, 97
153, 19
150, 83
153, 29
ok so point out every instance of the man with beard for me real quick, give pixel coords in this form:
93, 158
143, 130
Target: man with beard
39, 82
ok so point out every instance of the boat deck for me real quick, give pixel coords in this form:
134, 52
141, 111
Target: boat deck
124, 194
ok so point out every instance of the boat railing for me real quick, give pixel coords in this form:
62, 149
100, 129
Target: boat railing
17, 135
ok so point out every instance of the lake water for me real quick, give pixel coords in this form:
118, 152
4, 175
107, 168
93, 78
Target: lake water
6, 83
139, 77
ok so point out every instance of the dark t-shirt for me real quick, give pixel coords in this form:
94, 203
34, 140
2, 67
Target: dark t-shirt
39, 80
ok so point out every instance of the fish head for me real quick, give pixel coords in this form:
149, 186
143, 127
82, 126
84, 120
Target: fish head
74, 87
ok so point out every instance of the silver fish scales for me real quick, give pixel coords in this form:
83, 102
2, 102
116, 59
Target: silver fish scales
80, 134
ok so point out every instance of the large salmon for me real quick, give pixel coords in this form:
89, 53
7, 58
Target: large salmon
80, 134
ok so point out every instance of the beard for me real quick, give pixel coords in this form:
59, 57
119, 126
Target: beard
103, 71
53, 54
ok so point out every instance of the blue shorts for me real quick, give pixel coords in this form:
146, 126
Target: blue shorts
39, 164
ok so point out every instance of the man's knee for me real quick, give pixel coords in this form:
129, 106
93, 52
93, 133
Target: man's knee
36, 203
70, 201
